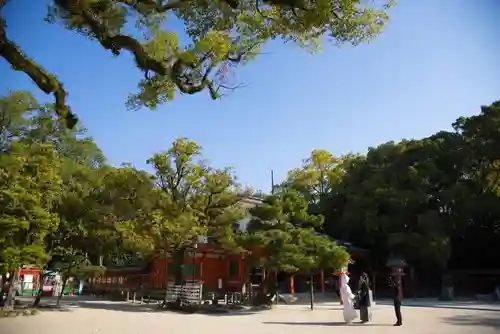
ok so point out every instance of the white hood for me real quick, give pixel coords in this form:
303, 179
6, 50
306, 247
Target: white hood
344, 279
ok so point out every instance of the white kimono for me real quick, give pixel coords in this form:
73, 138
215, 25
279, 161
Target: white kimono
347, 299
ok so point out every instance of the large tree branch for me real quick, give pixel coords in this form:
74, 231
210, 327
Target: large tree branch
174, 68
189, 78
45, 81
158, 6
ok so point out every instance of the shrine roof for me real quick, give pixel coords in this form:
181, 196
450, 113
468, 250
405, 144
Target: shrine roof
350, 248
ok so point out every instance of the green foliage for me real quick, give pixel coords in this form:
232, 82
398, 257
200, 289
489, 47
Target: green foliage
48, 181
432, 201
289, 238
29, 190
221, 35
191, 199
315, 178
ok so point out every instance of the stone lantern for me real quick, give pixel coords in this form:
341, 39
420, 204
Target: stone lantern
397, 266
447, 290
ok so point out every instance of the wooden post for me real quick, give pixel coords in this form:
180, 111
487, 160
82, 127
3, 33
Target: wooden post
291, 285
311, 291
241, 268
413, 282
322, 280
339, 275
263, 277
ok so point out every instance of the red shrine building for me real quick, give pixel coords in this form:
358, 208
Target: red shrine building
217, 269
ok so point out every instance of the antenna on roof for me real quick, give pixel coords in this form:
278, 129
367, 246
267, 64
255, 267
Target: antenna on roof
272, 182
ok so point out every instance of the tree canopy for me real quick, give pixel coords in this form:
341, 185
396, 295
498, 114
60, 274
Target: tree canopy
289, 238
433, 201
65, 208
216, 36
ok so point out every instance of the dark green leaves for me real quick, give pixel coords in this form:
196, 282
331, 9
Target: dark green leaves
289, 236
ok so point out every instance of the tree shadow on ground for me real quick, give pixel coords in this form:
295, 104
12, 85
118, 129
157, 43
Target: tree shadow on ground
491, 320
135, 307
473, 306
229, 313
334, 324
305, 299
54, 308
70, 303
118, 306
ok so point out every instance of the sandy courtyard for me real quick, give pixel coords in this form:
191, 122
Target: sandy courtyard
125, 318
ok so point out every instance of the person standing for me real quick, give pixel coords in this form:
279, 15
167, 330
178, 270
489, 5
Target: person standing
364, 299
348, 300
395, 294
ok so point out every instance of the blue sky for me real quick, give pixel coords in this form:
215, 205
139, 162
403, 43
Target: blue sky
437, 60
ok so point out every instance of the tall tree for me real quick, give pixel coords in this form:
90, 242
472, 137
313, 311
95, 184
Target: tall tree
477, 199
433, 201
76, 157
222, 34
29, 190
192, 199
314, 179
13, 123
286, 234
126, 198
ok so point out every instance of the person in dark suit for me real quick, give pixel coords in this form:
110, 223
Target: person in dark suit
395, 294
364, 301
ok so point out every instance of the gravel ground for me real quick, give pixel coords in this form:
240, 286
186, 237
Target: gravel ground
125, 318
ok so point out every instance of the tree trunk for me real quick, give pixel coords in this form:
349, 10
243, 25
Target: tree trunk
1, 290
311, 291
276, 294
178, 262
41, 278
65, 281
165, 296
36, 302
12, 289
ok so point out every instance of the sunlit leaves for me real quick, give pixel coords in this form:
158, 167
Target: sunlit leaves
219, 32
287, 233
420, 199
29, 190
190, 199
316, 176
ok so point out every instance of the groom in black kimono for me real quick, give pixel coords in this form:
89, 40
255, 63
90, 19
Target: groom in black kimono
395, 294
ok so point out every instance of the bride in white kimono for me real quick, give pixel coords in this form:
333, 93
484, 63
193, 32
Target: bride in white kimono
347, 299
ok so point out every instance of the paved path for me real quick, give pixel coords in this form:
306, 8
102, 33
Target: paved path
125, 318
